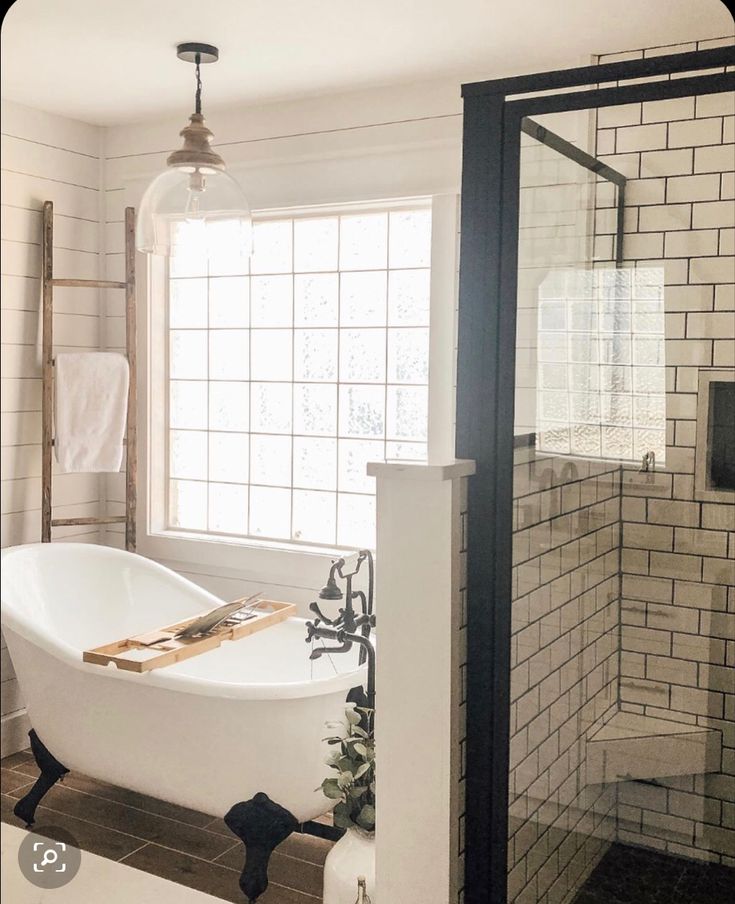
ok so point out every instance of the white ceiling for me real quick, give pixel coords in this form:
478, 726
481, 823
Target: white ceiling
112, 61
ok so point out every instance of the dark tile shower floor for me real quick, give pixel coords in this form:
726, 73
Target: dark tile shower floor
629, 875
156, 837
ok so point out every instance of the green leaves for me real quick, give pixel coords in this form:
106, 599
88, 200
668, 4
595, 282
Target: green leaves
354, 718
353, 759
343, 817
331, 789
366, 818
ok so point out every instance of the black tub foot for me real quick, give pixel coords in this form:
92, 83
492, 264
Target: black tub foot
261, 825
51, 772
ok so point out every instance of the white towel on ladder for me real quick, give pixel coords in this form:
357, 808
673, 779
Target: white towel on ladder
91, 410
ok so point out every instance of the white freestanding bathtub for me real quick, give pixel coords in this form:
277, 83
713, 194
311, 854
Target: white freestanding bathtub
206, 733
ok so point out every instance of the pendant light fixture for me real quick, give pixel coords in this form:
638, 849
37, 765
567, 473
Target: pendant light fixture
182, 205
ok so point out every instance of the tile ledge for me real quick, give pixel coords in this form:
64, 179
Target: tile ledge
627, 726
632, 747
415, 470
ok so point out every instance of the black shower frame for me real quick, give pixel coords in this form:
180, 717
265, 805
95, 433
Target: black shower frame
572, 152
493, 114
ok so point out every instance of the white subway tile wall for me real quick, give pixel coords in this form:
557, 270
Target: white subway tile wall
564, 676
678, 574
622, 583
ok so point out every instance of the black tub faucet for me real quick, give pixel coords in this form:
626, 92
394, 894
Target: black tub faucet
331, 591
349, 627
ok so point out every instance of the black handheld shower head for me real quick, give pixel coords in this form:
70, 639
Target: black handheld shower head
331, 590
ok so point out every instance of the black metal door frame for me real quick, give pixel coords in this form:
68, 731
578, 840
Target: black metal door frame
493, 112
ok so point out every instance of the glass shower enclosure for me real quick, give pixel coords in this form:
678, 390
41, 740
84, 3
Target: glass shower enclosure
599, 716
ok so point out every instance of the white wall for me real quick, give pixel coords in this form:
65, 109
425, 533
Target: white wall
45, 157
421, 534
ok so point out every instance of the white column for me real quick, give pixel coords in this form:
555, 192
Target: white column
417, 680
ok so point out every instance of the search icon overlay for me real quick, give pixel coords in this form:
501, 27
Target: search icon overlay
49, 857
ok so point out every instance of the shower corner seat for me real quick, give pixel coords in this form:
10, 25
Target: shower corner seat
632, 746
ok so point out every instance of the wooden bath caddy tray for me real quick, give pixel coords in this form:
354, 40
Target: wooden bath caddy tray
156, 649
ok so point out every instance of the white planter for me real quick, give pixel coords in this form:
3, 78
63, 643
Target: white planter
352, 856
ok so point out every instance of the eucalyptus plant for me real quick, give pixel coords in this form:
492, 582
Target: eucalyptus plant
353, 759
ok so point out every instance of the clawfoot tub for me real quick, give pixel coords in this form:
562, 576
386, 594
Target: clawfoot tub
243, 721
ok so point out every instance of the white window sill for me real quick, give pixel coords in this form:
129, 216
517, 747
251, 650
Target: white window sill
246, 559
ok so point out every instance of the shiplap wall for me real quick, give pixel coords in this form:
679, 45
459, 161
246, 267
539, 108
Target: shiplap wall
44, 157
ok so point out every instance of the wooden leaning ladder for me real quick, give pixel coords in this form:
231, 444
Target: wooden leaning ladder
47, 400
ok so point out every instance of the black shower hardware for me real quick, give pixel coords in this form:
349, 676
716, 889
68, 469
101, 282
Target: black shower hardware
331, 591
314, 629
345, 626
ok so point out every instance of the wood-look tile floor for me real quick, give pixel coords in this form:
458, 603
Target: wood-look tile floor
182, 845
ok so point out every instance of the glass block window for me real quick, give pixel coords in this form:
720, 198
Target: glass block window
291, 369
600, 373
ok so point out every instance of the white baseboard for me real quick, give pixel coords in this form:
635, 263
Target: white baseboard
14, 734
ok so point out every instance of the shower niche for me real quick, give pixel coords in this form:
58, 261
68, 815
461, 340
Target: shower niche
714, 474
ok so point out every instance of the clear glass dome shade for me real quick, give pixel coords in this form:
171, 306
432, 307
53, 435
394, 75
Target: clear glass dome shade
184, 205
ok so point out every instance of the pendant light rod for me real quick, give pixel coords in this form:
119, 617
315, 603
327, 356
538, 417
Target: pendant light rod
197, 53
198, 96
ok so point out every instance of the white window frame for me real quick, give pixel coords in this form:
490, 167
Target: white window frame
268, 561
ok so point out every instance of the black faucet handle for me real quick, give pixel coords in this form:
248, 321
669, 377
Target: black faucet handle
312, 630
322, 617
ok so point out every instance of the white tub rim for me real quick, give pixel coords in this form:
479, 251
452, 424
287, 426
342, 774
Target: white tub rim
165, 679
